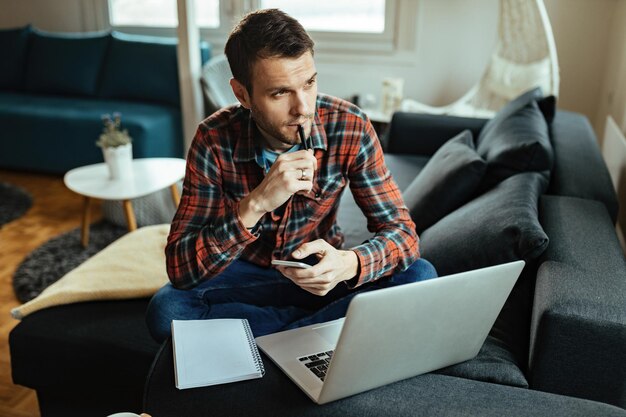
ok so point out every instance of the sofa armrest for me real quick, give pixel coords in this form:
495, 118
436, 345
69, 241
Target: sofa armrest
423, 134
579, 170
578, 326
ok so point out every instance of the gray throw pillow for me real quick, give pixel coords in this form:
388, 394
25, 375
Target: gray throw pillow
497, 227
449, 180
494, 363
515, 140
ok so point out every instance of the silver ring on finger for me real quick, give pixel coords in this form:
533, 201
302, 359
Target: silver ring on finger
303, 176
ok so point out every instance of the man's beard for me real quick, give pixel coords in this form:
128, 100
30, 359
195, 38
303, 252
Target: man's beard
275, 131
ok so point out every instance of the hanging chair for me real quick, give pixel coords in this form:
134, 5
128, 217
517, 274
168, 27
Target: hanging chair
524, 58
215, 82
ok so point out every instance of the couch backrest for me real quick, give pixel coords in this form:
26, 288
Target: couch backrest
141, 68
64, 63
13, 48
107, 65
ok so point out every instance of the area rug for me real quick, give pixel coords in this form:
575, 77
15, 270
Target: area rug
58, 256
14, 202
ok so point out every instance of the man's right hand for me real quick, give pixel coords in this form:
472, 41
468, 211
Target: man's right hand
284, 179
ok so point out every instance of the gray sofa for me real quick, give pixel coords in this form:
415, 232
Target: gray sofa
558, 347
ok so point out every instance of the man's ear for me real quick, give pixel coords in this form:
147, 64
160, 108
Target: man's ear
241, 92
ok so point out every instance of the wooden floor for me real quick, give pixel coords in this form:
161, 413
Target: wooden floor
55, 210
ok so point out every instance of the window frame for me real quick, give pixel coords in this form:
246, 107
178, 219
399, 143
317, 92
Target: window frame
325, 41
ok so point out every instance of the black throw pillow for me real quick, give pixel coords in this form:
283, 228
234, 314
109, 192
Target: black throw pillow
515, 142
448, 181
513, 106
499, 226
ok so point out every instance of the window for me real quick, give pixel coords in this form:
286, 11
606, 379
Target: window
160, 13
335, 15
335, 25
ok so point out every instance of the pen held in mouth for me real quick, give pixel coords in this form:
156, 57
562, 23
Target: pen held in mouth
302, 138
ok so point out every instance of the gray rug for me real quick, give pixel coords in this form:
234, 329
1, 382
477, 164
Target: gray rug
14, 202
49, 262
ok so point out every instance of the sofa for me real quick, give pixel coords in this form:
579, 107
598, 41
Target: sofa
529, 184
55, 87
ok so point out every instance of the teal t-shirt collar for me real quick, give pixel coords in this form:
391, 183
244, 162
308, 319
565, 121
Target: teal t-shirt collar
267, 158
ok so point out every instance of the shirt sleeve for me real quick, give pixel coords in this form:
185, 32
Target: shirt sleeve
207, 233
395, 244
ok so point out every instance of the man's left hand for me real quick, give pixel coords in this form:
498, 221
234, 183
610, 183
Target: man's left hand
333, 267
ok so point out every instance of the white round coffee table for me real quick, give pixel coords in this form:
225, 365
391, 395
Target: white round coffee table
149, 175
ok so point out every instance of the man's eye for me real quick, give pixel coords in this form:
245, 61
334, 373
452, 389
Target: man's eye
279, 93
310, 82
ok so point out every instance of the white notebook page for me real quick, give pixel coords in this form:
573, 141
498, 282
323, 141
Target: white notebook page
208, 352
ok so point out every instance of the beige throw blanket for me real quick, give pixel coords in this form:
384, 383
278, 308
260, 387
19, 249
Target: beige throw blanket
131, 267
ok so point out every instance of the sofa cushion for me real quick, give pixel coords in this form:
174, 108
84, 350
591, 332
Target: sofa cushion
572, 136
497, 227
350, 218
447, 181
155, 129
67, 64
142, 68
425, 395
13, 45
515, 140
494, 363
68, 345
423, 134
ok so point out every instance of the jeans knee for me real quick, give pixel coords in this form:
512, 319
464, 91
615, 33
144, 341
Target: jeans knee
424, 269
156, 319
420, 270
166, 305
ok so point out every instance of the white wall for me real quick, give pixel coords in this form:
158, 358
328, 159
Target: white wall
613, 94
443, 47
581, 31
50, 15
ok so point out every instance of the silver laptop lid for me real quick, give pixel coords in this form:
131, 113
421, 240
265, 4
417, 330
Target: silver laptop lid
403, 331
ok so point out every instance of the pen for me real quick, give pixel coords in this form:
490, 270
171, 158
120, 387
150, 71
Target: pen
302, 138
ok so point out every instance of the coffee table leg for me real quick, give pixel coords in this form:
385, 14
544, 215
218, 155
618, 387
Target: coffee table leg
84, 233
130, 215
175, 195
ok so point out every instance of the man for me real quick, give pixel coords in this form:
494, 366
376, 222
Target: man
253, 193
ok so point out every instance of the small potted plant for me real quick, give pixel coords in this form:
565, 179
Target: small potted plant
117, 148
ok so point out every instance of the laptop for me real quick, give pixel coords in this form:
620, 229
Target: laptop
394, 333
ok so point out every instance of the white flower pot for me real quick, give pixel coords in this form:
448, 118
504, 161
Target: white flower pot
119, 159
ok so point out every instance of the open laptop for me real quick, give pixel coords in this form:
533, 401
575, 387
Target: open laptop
394, 333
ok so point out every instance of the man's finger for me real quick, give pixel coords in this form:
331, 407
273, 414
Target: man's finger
299, 155
318, 280
318, 246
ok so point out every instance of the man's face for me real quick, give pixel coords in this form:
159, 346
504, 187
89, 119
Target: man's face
284, 93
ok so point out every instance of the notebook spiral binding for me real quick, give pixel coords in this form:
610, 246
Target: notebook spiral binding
256, 356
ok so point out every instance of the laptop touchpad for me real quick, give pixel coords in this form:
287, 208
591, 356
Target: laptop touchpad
330, 331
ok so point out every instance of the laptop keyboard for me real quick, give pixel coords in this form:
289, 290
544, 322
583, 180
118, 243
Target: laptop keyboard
317, 363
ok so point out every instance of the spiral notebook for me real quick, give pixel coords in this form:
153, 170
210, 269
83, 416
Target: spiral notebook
210, 352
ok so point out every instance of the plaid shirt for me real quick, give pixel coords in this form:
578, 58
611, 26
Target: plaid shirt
224, 164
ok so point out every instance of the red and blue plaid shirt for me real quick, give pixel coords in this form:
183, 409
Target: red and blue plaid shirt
225, 163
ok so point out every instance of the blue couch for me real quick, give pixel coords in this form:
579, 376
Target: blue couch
54, 88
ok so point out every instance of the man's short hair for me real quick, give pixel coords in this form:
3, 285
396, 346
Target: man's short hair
264, 34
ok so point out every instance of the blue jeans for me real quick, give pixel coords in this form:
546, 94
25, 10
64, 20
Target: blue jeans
264, 296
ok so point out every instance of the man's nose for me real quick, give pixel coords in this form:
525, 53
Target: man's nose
300, 106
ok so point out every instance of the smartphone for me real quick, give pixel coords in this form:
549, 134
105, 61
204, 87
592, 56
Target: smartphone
291, 264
